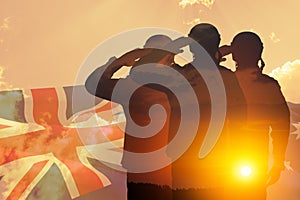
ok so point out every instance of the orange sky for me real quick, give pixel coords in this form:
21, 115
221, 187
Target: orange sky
44, 43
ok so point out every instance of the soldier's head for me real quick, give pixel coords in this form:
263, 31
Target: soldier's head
247, 49
208, 37
157, 42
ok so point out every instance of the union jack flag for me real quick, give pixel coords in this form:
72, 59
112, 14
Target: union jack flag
51, 149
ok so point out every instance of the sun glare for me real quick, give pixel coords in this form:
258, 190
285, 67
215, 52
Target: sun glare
246, 171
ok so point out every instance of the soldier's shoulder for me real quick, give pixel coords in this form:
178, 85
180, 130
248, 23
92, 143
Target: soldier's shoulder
264, 78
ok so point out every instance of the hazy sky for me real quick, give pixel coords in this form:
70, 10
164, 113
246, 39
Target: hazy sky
44, 43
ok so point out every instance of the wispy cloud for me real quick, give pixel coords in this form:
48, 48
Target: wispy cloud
3, 84
184, 3
192, 22
5, 25
207, 3
288, 166
288, 77
287, 70
273, 37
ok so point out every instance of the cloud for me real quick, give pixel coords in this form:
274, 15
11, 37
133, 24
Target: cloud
288, 78
206, 3
274, 38
5, 26
184, 3
3, 85
192, 22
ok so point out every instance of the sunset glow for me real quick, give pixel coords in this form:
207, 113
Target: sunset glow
246, 171
45, 44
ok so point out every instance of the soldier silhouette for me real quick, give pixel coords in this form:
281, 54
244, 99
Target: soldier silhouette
267, 120
140, 185
194, 177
